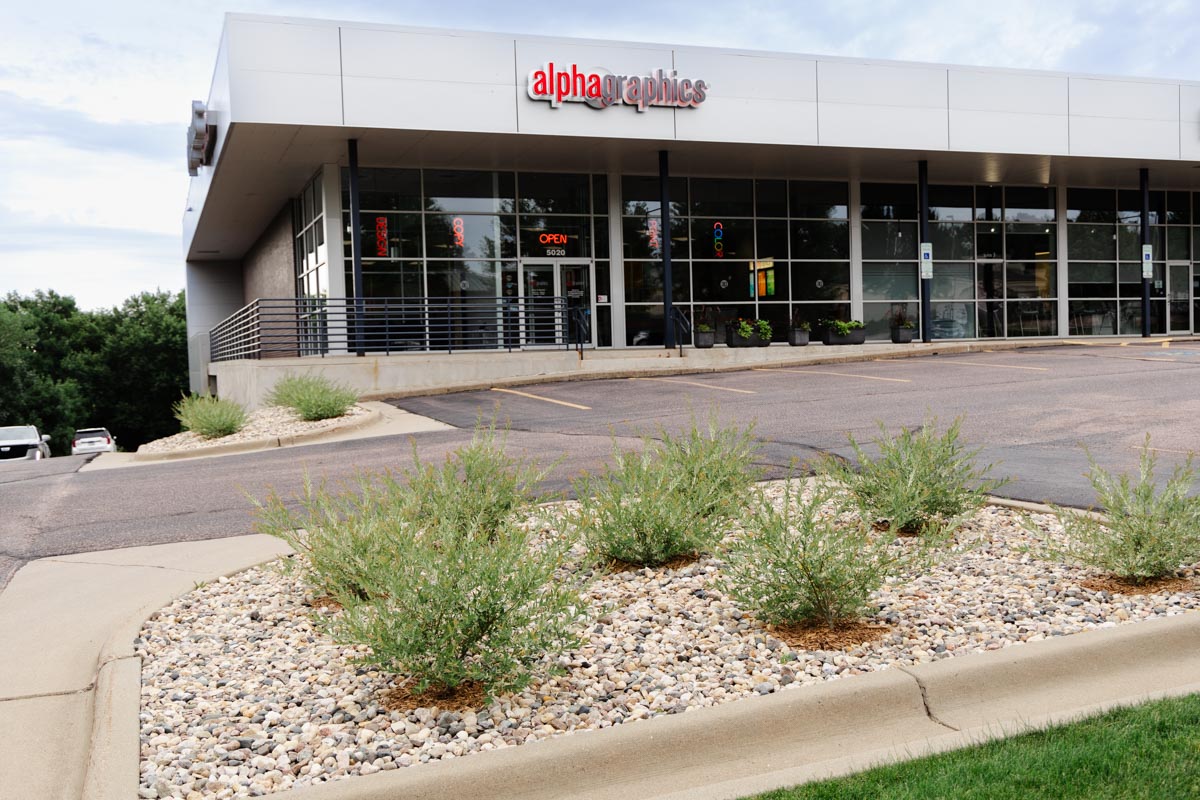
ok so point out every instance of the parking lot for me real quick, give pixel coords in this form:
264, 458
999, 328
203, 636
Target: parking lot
1032, 410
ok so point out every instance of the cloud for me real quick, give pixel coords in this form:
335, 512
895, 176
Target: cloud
98, 266
23, 118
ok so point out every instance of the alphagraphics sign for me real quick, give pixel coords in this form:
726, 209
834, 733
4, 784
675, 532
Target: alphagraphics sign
601, 89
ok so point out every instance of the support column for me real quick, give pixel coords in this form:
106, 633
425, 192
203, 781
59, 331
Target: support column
337, 337
923, 235
356, 246
616, 259
664, 192
856, 261
1144, 185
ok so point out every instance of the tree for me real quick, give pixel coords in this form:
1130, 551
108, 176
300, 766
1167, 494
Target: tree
122, 368
143, 367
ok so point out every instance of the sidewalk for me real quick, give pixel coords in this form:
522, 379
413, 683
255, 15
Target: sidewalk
69, 701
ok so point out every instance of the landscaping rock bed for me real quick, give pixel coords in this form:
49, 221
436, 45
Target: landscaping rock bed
242, 696
272, 422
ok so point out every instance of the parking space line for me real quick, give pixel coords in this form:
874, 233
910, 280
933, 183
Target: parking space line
1163, 450
696, 383
996, 366
543, 399
1141, 358
839, 374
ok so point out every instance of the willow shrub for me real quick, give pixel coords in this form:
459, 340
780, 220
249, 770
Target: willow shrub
1146, 532
797, 562
434, 571
209, 416
922, 481
670, 499
313, 397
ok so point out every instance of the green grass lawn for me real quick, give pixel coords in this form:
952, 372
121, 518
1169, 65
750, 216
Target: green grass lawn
1151, 752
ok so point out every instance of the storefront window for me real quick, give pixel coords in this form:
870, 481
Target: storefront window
460, 192
470, 236
889, 240
640, 196
894, 201
820, 240
814, 281
722, 197
722, 237
384, 190
818, 199
553, 193
391, 235
556, 237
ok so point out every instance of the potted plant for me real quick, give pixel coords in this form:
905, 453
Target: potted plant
764, 332
844, 332
742, 333
705, 336
798, 333
903, 326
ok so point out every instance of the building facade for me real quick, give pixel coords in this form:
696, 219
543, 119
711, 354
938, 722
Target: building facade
368, 188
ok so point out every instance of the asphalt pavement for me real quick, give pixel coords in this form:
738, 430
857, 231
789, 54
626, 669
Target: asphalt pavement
1030, 411
1035, 413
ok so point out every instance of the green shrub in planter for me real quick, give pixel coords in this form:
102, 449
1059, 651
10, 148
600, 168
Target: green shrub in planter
313, 397
1147, 533
209, 416
922, 482
670, 499
796, 564
435, 575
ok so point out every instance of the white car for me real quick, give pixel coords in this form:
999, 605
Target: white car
93, 440
23, 441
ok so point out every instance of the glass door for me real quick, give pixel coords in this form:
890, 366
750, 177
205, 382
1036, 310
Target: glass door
1196, 298
1179, 306
575, 282
541, 282
539, 287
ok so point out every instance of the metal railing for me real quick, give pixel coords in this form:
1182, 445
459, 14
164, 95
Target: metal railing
301, 327
581, 328
683, 327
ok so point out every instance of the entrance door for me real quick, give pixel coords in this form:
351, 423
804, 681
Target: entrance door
1179, 305
541, 281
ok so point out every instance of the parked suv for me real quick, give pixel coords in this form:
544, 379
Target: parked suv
23, 441
93, 440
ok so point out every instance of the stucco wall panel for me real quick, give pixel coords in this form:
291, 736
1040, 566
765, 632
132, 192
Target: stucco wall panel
268, 270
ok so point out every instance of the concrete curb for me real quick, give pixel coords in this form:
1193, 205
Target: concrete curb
759, 744
738, 748
370, 418
861, 353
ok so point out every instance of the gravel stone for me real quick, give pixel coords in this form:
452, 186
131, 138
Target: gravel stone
271, 422
242, 697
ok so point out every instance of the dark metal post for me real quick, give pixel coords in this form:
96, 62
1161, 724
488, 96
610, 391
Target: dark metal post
664, 190
355, 246
1144, 185
923, 229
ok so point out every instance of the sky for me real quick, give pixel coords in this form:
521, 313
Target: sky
95, 97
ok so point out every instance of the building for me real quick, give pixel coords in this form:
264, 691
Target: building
508, 197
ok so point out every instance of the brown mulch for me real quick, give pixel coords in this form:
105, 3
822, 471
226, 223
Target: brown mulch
467, 696
687, 559
1115, 585
326, 603
846, 636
